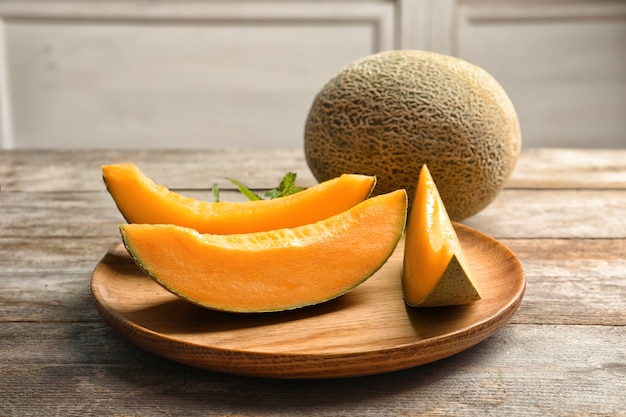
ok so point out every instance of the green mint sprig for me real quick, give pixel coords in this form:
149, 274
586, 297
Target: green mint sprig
286, 187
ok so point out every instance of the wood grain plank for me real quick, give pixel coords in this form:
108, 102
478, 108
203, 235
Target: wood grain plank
29, 171
564, 214
55, 170
86, 369
572, 281
569, 168
47, 297
43, 256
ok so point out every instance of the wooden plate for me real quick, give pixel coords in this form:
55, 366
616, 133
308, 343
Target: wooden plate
367, 331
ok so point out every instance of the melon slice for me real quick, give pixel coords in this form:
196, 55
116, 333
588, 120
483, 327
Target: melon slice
141, 200
435, 271
276, 270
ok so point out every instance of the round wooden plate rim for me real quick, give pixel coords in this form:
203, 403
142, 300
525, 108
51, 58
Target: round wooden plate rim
301, 364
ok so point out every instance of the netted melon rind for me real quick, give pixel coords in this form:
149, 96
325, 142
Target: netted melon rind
392, 112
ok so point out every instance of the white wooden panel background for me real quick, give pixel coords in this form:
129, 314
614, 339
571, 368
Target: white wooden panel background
562, 62
171, 75
164, 86
243, 73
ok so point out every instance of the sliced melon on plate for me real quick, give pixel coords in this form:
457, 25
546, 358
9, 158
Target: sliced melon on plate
141, 200
435, 270
275, 270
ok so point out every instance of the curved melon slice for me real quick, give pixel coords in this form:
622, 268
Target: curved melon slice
275, 270
435, 272
140, 200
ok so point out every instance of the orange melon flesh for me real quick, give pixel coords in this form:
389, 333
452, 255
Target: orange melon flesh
435, 270
276, 270
141, 200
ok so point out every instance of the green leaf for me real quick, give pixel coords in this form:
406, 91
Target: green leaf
272, 194
244, 190
287, 187
216, 192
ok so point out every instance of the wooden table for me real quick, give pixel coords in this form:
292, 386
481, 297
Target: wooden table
562, 354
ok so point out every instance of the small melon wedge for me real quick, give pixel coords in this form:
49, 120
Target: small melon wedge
435, 270
141, 200
276, 270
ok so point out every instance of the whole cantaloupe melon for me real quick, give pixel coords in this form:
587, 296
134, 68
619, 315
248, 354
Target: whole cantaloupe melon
390, 113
